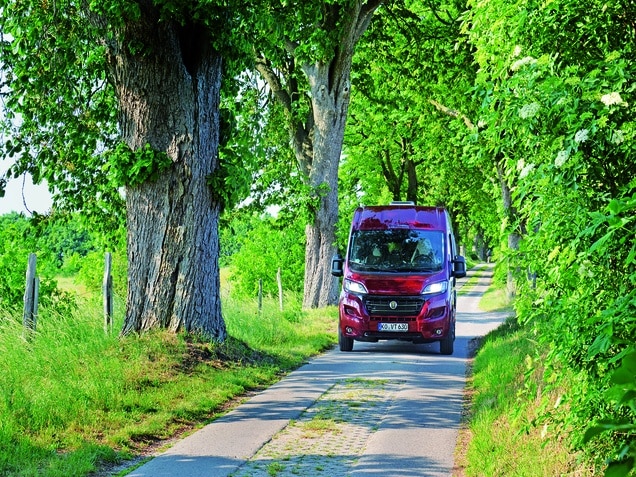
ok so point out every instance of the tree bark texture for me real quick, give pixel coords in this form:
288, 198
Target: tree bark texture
168, 78
317, 141
407, 167
330, 93
513, 236
330, 112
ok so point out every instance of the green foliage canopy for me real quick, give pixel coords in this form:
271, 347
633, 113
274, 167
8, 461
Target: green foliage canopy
556, 95
60, 113
19, 237
411, 118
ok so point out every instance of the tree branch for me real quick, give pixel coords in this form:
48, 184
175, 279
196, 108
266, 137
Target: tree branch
269, 75
366, 12
450, 21
453, 112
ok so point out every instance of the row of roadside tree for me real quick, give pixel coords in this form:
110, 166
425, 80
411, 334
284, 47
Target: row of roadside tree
518, 116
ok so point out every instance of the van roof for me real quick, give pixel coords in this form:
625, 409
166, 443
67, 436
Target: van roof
398, 216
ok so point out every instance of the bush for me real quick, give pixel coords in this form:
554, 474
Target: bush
18, 239
266, 247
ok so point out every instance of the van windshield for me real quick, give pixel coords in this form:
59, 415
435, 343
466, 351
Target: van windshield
396, 250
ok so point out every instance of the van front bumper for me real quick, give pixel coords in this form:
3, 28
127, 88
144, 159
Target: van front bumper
385, 317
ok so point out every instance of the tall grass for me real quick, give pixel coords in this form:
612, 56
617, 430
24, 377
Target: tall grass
73, 398
292, 333
51, 387
510, 430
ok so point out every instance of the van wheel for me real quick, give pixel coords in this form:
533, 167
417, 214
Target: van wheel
345, 343
447, 344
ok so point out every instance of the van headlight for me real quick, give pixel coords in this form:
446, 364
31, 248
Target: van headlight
434, 288
354, 287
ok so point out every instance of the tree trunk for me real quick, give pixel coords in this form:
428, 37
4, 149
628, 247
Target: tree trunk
169, 90
411, 172
395, 180
480, 245
317, 142
513, 236
330, 114
330, 90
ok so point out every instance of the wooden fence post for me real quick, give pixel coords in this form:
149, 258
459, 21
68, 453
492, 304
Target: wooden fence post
260, 296
29, 318
279, 280
107, 289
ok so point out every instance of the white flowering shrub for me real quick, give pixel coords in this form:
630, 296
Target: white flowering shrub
561, 158
517, 65
612, 99
559, 129
581, 135
529, 110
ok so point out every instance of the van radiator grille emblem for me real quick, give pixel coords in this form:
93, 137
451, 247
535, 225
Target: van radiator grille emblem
380, 306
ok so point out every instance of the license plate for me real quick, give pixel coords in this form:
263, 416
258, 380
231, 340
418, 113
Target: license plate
393, 326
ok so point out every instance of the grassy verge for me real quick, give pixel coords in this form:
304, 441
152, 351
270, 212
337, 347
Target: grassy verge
504, 433
494, 299
74, 399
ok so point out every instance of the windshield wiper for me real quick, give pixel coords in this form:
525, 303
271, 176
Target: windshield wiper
361, 267
417, 270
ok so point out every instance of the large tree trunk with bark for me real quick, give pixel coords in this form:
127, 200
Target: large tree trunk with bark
407, 167
169, 88
330, 102
317, 142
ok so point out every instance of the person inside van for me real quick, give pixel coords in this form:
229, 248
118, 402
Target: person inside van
375, 258
426, 255
423, 253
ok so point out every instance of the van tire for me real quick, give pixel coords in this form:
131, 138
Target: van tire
446, 346
344, 342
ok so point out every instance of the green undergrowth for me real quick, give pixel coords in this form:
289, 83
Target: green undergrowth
508, 425
74, 399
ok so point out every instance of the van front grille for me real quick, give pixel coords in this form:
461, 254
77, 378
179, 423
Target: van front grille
393, 306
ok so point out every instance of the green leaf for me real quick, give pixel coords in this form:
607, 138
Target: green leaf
629, 362
600, 243
628, 398
623, 376
600, 345
615, 206
620, 469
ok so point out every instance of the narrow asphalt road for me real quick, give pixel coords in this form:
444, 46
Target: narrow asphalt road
385, 409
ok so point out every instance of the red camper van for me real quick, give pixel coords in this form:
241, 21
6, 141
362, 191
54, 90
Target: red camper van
399, 277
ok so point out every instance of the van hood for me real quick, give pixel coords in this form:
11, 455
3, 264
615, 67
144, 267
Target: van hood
395, 284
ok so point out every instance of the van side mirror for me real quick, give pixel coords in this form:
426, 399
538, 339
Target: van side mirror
459, 267
336, 265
